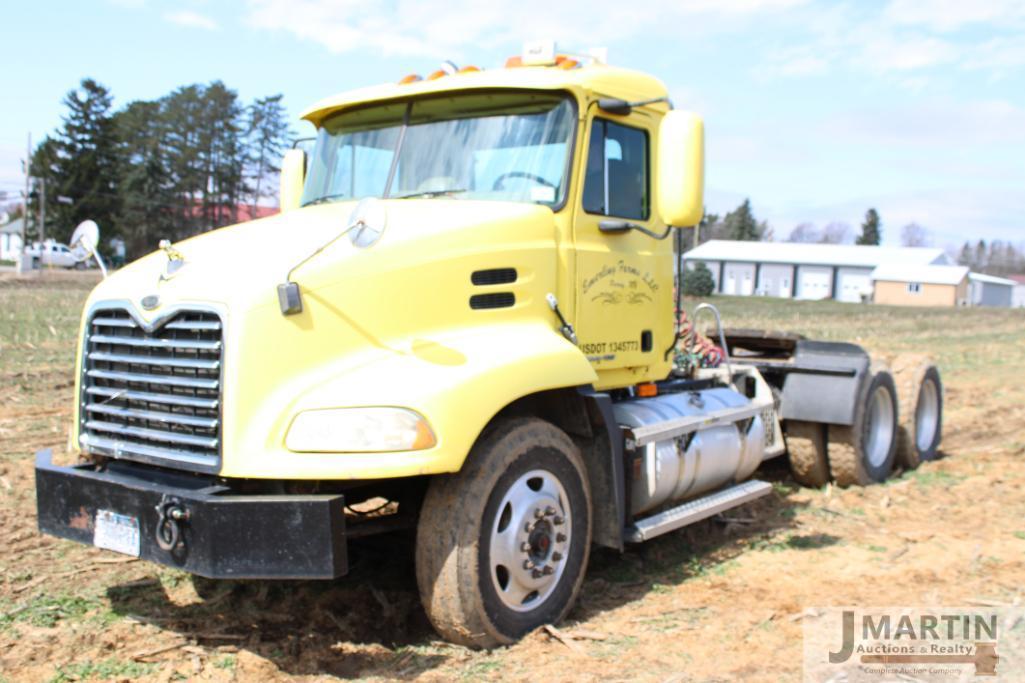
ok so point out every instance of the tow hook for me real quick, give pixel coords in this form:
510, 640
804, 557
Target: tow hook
171, 515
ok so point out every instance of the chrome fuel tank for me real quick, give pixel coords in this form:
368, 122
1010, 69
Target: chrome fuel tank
683, 467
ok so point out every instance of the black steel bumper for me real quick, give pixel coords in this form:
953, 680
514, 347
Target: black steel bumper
188, 523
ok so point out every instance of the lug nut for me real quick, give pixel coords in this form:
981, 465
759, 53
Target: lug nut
525, 547
538, 513
556, 556
527, 564
527, 527
536, 573
557, 521
560, 538
548, 571
549, 511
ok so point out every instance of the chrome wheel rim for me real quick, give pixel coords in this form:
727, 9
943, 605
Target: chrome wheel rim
530, 540
927, 415
880, 427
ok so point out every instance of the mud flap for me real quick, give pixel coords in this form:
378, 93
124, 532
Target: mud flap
823, 382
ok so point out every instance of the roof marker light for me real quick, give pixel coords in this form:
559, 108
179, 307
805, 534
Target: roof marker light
564, 62
411, 78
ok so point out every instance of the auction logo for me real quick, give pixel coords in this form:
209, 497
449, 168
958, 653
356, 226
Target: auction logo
939, 644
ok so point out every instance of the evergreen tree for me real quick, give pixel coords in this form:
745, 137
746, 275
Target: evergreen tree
871, 230
966, 257
740, 224
698, 281
85, 169
981, 256
268, 140
146, 207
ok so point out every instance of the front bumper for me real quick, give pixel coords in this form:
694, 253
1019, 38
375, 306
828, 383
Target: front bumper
219, 533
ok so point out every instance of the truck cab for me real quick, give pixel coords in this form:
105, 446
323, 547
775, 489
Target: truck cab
463, 317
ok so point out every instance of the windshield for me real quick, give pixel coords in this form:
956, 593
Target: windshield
497, 146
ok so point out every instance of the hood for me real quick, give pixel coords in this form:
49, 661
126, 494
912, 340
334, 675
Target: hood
240, 266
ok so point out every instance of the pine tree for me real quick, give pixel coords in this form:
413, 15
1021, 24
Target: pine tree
871, 230
146, 206
740, 224
86, 166
698, 281
268, 137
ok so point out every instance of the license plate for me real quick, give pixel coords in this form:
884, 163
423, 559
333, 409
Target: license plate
119, 533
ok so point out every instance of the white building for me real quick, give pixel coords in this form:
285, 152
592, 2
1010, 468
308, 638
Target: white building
1018, 297
10, 240
989, 290
803, 271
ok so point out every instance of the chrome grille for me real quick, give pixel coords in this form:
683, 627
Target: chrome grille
153, 396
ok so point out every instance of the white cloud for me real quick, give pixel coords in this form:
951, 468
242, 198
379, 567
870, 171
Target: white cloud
412, 28
936, 125
953, 15
906, 52
906, 40
191, 19
997, 54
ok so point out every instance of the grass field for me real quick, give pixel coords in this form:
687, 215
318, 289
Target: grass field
721, 600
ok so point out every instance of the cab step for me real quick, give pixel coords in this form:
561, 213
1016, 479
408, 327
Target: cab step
696, 510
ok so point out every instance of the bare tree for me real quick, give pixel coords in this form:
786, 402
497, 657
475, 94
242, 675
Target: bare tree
836, 233
914, 235
804, 232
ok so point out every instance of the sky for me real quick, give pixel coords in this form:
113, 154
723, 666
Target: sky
814, 110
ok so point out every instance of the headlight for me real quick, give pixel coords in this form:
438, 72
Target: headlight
359, 430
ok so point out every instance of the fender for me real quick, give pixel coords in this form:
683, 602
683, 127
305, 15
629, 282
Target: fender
459, 380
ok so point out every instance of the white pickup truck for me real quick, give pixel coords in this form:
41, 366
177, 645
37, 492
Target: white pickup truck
53, 254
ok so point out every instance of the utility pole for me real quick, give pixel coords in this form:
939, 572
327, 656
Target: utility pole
24, 209
42, 209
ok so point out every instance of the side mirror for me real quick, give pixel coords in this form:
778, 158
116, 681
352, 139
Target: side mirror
681, 169
293, 175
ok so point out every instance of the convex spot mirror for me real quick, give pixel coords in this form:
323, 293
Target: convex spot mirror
681, 169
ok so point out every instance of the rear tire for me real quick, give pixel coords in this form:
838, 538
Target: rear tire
502, 545
920, 393
806, 449
864, 453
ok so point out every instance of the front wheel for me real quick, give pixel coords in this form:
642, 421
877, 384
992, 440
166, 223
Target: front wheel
502, 545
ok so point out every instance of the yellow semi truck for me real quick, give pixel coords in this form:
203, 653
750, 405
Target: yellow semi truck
463, 322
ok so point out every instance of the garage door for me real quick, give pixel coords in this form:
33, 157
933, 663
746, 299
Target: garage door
852, 284
814, 283
739, 279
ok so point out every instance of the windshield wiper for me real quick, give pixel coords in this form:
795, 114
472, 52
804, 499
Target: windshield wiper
431, 193
327, 198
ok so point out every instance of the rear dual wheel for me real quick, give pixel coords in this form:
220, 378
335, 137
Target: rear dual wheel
502, 545
920, 393
806, 449
864, 452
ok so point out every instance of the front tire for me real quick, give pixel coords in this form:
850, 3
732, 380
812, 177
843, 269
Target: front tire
502, 545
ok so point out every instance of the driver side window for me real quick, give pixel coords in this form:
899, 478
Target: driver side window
616, 181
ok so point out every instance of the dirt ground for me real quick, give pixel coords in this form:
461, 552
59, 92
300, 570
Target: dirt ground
719, 601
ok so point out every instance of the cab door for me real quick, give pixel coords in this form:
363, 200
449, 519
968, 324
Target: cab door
624, 289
